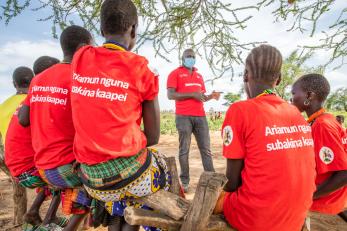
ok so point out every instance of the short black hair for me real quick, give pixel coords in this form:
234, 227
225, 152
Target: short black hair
117, 16
22, 76
316, 83
265, 63
72, 37
341, 117
44, 62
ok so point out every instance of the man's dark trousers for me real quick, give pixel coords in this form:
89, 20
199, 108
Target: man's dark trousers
186, 125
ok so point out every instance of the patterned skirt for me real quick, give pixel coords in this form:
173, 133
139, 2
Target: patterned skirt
32, 179
75, 199
151, 176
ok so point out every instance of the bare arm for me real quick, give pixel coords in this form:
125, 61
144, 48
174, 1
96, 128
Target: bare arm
173, 95
234, 169
333, 183
151, 121
24, 116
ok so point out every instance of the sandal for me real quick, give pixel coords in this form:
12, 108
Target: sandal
49, 227
29, 227
62, 221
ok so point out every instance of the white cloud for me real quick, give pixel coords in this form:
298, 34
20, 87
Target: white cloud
21, 53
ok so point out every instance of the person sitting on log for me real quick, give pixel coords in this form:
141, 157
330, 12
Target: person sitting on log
270, 156
47, 109
113, 89
330, 143
19, 158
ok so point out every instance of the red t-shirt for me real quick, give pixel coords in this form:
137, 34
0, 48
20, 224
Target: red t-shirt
50, 117
279, 167
108, 89
330, 142
185, 82
19, 152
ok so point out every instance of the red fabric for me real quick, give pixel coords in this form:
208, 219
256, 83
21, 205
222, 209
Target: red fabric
50, 117
107, 118
277, 179
184, 82
330, 142
19, 152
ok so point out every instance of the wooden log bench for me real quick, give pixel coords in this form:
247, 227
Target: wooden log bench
173, 212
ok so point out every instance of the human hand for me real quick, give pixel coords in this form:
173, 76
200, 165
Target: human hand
199, 96
216, 95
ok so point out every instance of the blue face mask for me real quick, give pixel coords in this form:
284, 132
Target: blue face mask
189, 62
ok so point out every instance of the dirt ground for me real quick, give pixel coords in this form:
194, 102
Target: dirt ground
169, 146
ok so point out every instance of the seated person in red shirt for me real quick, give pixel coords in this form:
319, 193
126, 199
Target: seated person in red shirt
330, 142
48, 110
113, 89
269, 151
19, 158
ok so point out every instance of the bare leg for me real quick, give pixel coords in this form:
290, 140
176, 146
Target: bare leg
127, 227
74, 222
33, 215
343, 215
52, 210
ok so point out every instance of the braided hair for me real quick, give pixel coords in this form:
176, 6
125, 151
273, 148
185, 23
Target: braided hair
265, 64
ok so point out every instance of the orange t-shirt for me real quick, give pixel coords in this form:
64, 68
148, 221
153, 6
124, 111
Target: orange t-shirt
279, 167
51, 124
185, 82
330, 142
108, 89
19, 152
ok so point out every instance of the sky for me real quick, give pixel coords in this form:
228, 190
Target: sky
24, 39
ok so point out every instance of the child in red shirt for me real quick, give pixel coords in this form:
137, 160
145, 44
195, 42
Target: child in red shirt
19, 158
48, 110
113, 89
269, 151
330, 141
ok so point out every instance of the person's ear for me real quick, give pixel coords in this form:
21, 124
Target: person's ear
245, 76
310, 95
133, 31
278, 81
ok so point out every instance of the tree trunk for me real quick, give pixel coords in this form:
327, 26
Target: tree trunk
19, 203
19, 193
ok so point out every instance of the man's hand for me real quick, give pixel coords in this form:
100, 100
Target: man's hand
199, 96
216, 95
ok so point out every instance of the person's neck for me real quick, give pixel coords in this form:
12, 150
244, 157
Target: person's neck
314, 108
189, 69
258, 89
67, 59
119, 39
21, 90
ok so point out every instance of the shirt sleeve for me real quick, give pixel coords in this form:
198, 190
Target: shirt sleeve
330, 153
233, 133
172, 80
149, 87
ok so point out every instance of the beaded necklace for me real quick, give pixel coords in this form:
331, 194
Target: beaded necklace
266, 92
315, 115
114, 45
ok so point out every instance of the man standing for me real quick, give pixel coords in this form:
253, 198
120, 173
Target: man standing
186, 86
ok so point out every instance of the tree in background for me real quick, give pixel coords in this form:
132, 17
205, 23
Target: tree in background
231, 98
293, 67
337, 101
208, 26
